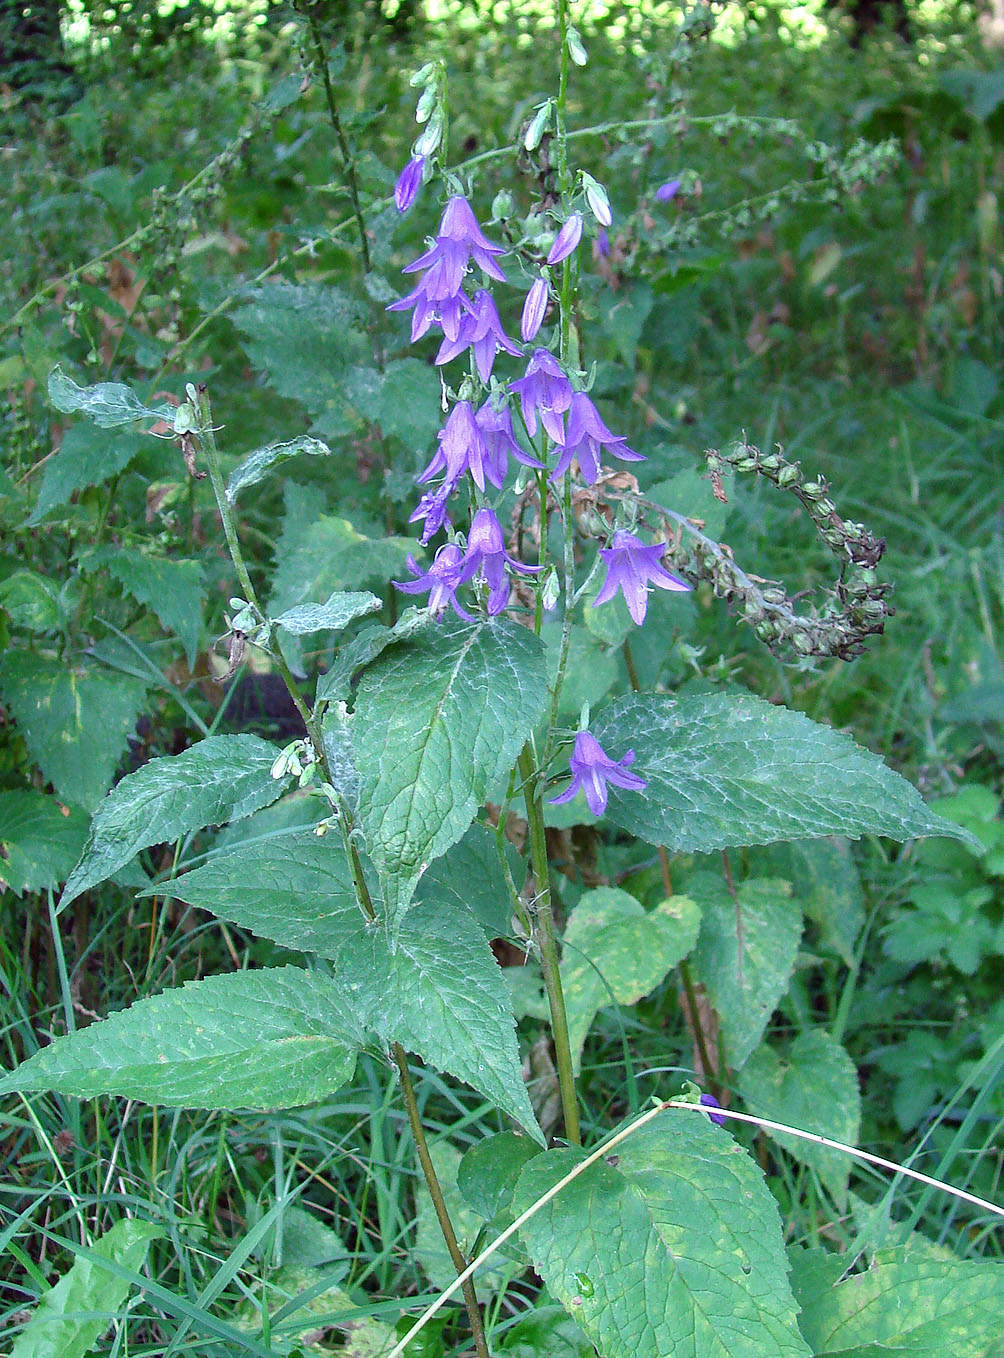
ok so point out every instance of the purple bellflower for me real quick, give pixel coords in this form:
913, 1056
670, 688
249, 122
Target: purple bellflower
586, 436
630, 567
408, 183
566, 240
709, 1101
533, 310
665, 193
602, 243
448, 572
486, 551
432, 509
496, 428
482, 329
545, 390
592, 768
462, 448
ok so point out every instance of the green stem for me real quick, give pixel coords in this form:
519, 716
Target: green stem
568, 563
438, 1201
560, 111
547, 945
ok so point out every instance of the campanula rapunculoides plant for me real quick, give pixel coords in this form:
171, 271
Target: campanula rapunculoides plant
430, 736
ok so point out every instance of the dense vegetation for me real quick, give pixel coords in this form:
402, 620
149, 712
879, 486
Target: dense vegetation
217, 208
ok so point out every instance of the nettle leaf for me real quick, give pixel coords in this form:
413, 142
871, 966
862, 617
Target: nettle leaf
672, 1244
438, 721
489, 1171
726, 769
469, 876
72, 1316
546, 1332
220, 779
31, 600
75, 719
825, 882
107, 403
909, 1303
745, 954
40, 840
87, 456
257, 465
811, 1084
334, 614
363, 649
267, 1039
173, 589
403, 400
614, 951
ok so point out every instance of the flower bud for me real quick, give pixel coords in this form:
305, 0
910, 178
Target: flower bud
432, 136
575, 48
535, 132
596, 197
533, 310
422, 76
668, 191
566, 240
426, 104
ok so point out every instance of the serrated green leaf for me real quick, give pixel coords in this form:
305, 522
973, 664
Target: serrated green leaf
402, 400
220, 779
257, 465
910, 1303
671, 1245
363, 649
40, 840
107, 403
726, 769
745, 954
811, 1084
87, 456
430, 1247
469, 876
825, 882
267, 1039
438, 721
31, 600
546, 1332
75, 720
614, 951
73, 1315
488, 1173
175, 590
334, 614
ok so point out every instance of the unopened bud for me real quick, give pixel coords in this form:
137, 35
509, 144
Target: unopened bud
575, 48
425, 104
538, 126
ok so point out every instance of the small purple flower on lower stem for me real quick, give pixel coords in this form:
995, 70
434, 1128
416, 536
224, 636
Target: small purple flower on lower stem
448, 572
496, 428
486, 550
630, 567
462, 448
482, 330
668, 191
544, 390
602, 243
432, 509
592, 768
709, 1101
585, 438
566, 240
408, 184
533, 310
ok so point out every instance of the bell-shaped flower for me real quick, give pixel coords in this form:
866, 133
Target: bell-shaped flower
566, 240
496, 428
486, 552
585, 439
459, 238
533, 310
409, 182
631, 566
545, 391
665, 193
448, 572
446, 312
592, 769
462, 448
482, 330
431, 509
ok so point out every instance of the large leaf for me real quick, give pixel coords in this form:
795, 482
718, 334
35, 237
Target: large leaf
671, 1245
745, 954
403, 400
438, 721
469, 876
430, 1248
333, 615
825, 882
614, 951
175, 590
250, 1039
257, 465
222, 778
909, 1303
107, 403
40, 840
75, 719
87, 456
726, 769
811, 1084
72, 1316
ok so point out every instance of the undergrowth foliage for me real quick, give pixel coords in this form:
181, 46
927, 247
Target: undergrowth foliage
493, 754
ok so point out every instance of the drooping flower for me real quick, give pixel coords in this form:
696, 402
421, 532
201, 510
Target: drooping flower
461, 449
408, 183
592, 769
709, 1101
585, 437
496, 427
566, 240
486, 552
666, 192
602, 243
482, 329
544, 391
446, 311
448, 572
432, 509
533, 310
630, 567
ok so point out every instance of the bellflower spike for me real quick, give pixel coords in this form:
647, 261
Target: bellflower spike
545, 390
630, 566
408, 184
566, 240
462, 448
496, 428
666, 192
486, 550
592, 769
533, 310
586, 436
482, 329
444, 577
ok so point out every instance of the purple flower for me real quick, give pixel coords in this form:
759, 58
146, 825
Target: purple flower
448, 572
408, 184
462, 448
486, 551
566, 240
709, 1101
545, 390
630, 566
496, 428
432, 508
668, 191
585, 437
533, 310
592, 768
482, 329
447, 311
602, 243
